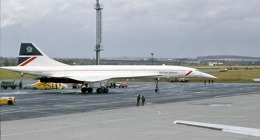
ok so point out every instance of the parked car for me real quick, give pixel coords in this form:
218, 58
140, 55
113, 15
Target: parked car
122, 85
5, 85
29, 86
7, 100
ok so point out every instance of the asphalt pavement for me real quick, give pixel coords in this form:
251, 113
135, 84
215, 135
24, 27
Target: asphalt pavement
69, 110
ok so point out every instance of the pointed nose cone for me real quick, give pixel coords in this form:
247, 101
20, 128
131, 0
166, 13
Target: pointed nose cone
205, 75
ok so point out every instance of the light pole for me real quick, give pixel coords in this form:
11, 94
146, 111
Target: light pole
152, 58
98, 8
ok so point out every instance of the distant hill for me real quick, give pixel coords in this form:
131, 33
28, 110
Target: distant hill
229, 58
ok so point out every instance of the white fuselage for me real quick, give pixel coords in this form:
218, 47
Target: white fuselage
113, 71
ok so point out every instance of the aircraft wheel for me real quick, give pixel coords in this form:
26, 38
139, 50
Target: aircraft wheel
105, 90
156, 90
99, 90
83, 90
90, 90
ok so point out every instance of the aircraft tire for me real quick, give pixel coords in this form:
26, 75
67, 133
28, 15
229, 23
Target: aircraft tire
83, 90
105, 90
99, 90
90, 90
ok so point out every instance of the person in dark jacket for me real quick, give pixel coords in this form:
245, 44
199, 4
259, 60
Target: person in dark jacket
20, 85
138, 100
143, 100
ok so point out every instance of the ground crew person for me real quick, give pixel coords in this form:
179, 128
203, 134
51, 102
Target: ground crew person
212, 82
209, 82
205, 82
20, 85
138, 100
143, 100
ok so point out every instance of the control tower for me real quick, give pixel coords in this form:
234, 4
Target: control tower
98, 48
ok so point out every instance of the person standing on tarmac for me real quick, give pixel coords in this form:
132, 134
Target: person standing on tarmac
138, 100
20, 85
143, 100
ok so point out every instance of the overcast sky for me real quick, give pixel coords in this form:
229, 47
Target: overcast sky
133, 28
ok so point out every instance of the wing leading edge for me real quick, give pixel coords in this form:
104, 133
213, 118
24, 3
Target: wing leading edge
225, 128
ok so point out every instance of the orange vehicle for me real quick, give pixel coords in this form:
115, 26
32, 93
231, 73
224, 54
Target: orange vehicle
122, 85
223, 70
49, 85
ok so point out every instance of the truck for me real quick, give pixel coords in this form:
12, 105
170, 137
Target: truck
7, 100
5, 85
179, 80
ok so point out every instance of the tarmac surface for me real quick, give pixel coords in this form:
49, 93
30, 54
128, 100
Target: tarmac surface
67, 114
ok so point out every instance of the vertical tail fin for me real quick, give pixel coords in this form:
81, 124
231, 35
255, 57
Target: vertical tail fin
30, 55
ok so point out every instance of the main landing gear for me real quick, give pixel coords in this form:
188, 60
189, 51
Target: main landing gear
156, 86
102, 90
88, 89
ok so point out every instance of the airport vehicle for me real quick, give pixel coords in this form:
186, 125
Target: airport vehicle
57, 85
49, 85
42, 86
5, 85
7, 100
223, 70
179, 80
33, 61
123, 85
29, 86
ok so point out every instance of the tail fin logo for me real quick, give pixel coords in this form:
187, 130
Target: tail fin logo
29, 49
31, 55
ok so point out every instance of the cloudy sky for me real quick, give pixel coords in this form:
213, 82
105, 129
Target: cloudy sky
133, 28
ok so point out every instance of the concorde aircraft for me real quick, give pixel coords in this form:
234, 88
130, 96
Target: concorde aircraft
33, 61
